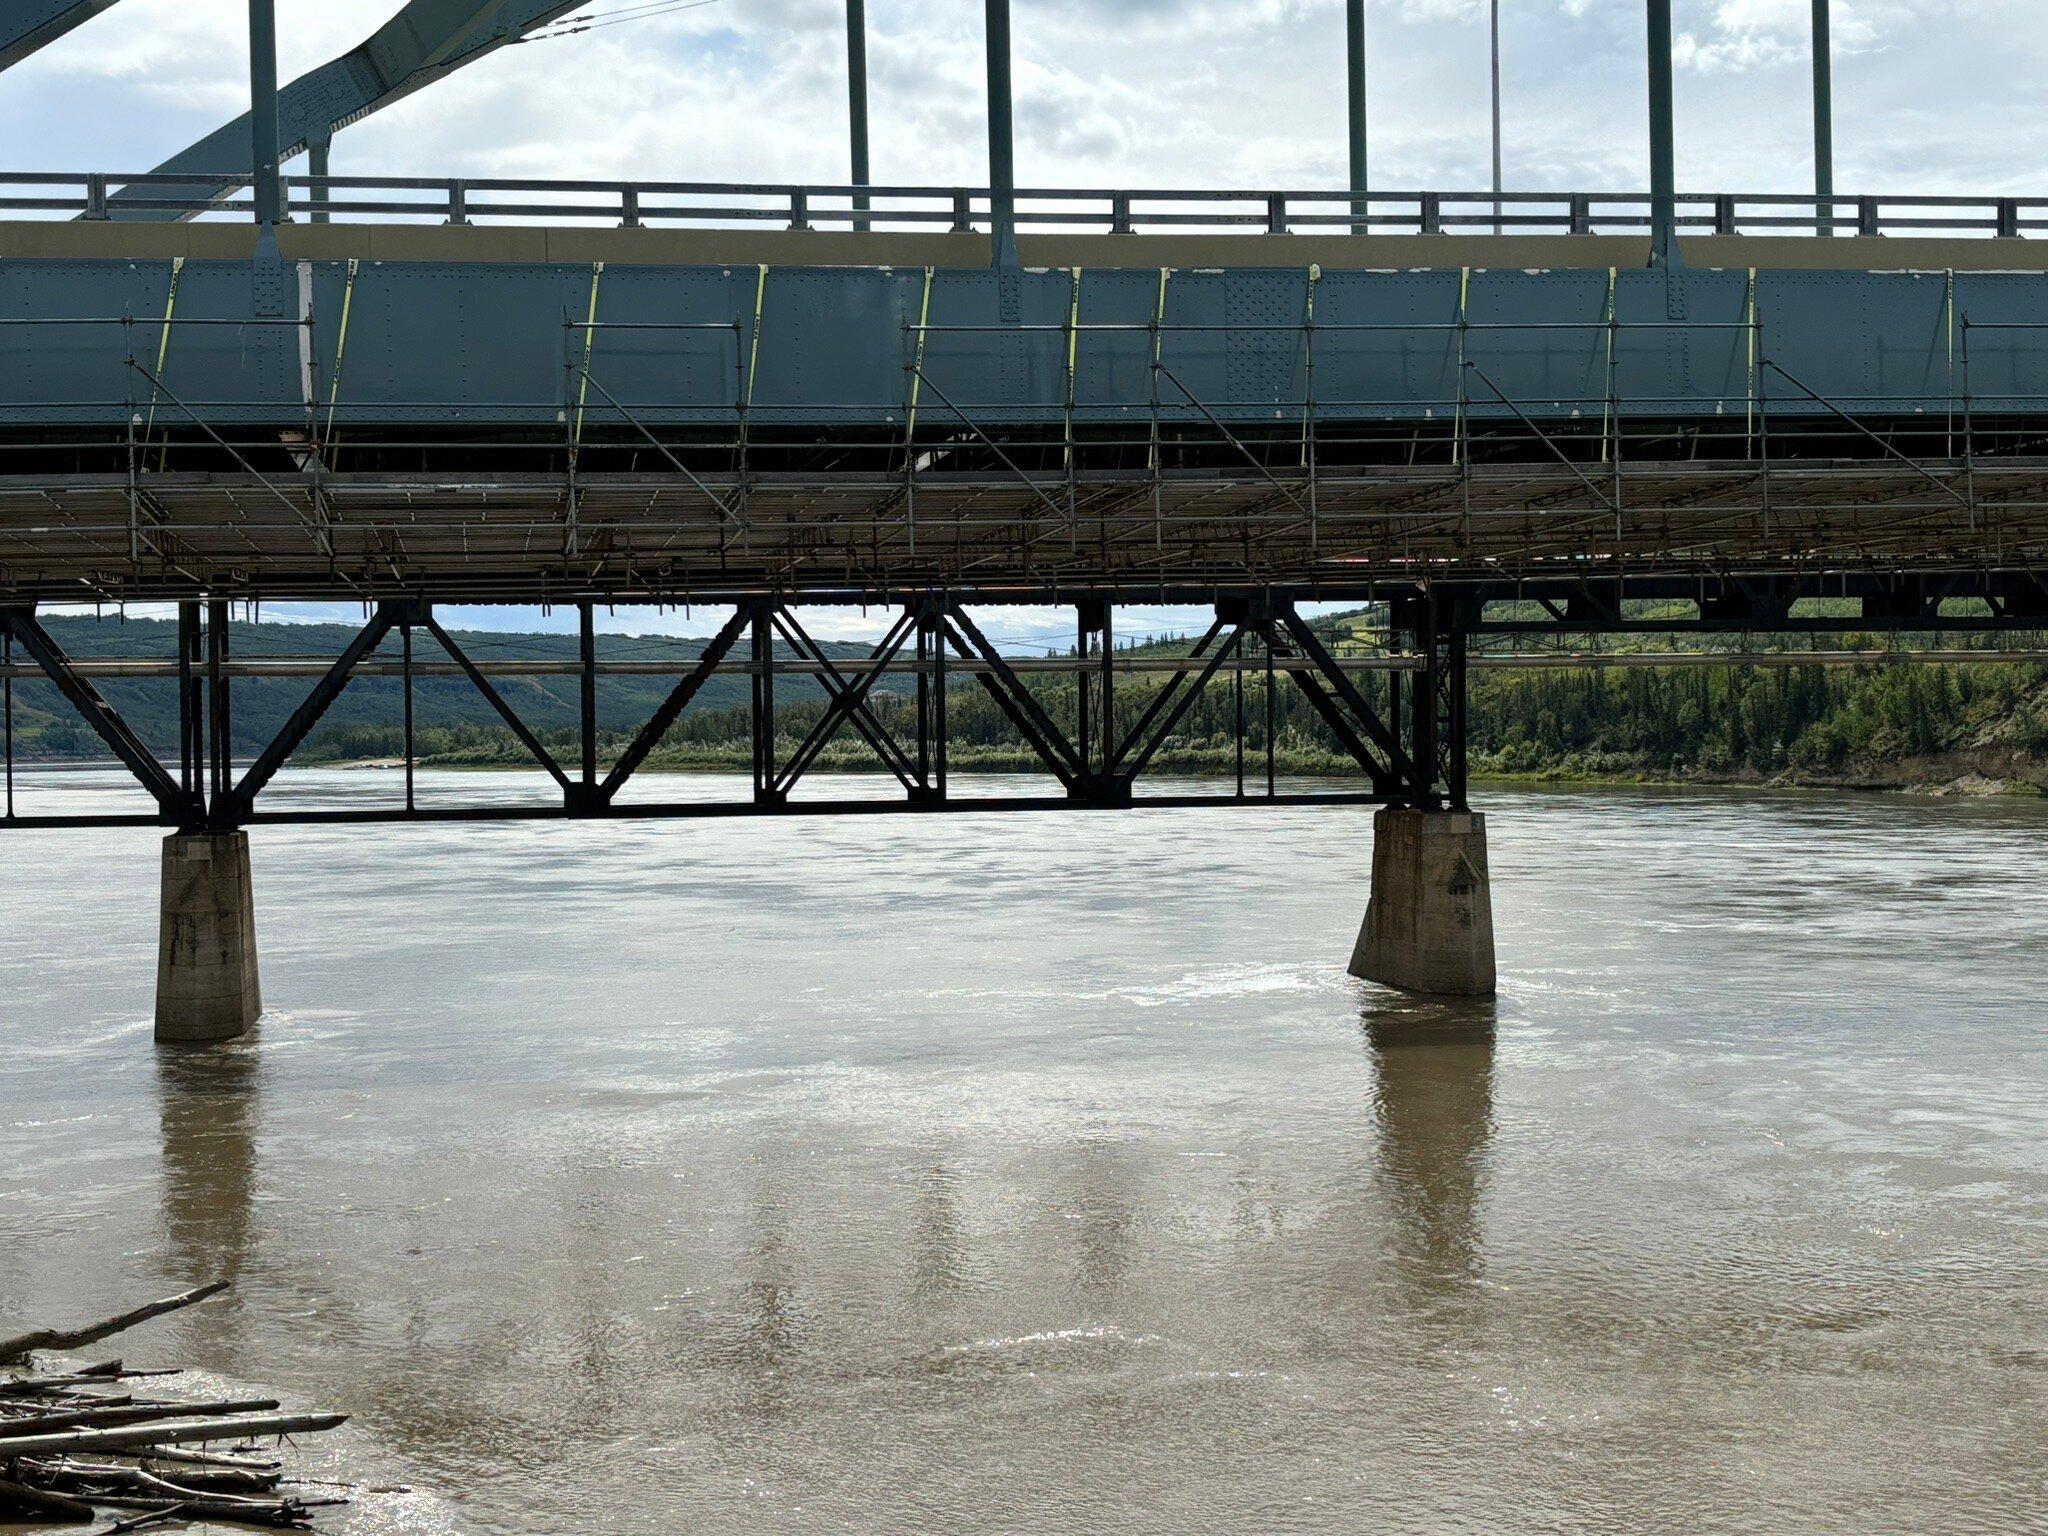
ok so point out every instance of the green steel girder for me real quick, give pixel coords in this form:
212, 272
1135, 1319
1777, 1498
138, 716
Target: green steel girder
425, 41
27, 25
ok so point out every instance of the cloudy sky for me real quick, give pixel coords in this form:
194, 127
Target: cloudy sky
1932, 95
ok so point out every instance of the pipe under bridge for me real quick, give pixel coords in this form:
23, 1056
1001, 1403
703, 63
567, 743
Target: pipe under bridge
1480, 446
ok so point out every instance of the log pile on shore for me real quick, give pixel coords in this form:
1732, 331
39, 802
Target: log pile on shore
90, 1442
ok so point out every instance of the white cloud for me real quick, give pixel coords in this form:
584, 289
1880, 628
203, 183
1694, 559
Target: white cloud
1141, 93
1132, 92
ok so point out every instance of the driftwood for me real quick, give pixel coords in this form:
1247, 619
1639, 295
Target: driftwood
137, 1522
271, 1512
86, 1376
153, 1473
78, 1338
71, 1440
205, 1459
43, 1501
173, 1434
140, 1413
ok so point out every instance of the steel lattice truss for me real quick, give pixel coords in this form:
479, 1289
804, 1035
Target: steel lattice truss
1095, 758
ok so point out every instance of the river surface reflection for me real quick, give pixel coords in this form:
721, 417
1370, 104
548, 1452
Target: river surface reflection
1047, 1173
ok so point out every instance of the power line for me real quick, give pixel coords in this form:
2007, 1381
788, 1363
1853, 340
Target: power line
591, 21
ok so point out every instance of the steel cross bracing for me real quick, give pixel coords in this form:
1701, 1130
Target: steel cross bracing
1096, 760
1404, 729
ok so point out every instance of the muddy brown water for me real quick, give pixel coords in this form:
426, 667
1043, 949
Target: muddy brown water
1048, 1174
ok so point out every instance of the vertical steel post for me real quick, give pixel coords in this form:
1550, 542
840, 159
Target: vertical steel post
1272, 709
586, 657
1823, 117
1108, 688
317, 147
1454, 722
764, 704
1081, 680
754, 699
7, 657
1002, 159
263, 109
1237, 692
1663, 142
1428, 691
1496, 116
405, 642
134, 463
220, 751
1396, 681
857, 99
924, 701
191, 740
939, 715
1355, 116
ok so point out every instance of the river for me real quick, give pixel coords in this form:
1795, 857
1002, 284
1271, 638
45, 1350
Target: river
1046, 1173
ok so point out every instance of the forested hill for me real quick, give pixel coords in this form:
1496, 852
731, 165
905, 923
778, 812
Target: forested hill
364, 721
1983, 725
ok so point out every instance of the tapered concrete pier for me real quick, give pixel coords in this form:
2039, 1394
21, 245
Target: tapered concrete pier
1429, 922
206, 987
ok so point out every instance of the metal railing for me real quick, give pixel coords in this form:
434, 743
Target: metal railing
962, 210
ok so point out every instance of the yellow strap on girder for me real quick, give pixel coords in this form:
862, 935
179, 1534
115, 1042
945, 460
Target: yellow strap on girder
1315, 275
1610, 410
1158, 348
348, 299
924, 318
1073, 352
754, 343
1073, 328
1749, 330
589, 346
1458, 420
163, 348
1949, 327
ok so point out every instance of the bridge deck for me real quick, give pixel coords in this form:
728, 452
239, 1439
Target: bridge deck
655, 535
477, 413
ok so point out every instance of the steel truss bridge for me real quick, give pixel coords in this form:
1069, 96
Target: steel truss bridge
1768, 448
1494, 413
1507, 413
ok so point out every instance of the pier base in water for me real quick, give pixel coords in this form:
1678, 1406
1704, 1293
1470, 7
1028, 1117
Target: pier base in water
1429, 922
206, 986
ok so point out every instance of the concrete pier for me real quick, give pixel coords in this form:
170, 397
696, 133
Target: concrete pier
1429, 922
206, 986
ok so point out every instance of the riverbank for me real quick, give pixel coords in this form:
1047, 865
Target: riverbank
1982, 772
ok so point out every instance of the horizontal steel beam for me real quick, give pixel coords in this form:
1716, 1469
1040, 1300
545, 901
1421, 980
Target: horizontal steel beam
1134, 666
727, 809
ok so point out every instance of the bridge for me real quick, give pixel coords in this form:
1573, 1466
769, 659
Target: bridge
1490, 412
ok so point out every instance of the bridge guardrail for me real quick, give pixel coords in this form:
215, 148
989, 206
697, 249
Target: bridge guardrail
710, 205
